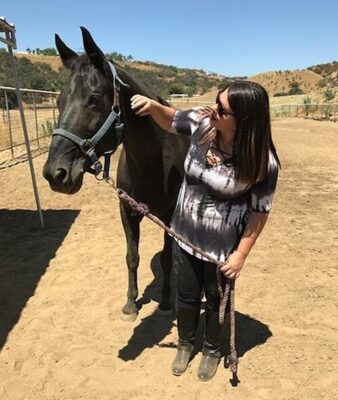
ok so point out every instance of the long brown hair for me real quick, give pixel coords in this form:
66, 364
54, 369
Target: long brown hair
250, 103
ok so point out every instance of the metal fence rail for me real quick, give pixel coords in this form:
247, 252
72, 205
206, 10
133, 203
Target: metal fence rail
41, 116
311, 111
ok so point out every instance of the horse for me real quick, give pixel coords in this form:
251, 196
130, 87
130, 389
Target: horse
150, 166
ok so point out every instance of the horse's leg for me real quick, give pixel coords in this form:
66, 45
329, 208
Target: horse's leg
131, 225
166, 263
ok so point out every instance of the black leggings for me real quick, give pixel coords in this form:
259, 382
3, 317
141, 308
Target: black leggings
194, 277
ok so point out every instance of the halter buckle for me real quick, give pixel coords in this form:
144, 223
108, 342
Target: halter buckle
97, 167
86, 146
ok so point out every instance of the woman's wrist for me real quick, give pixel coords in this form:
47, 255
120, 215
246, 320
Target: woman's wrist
153, 105
242, 253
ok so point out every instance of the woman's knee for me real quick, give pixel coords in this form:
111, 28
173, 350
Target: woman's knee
190, 299
213, 301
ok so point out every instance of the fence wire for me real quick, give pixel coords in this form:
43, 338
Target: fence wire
311, 111
41, 117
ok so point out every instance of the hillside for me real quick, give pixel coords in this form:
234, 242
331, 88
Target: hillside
329, 74
160, 79
281, 81
38, 75
47, 72
328, 70
53, 61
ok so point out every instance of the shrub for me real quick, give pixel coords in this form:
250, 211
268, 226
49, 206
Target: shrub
48, 128
177, 88
329, 94
11, 98
322, 83
307, 101
294, 89
49, 51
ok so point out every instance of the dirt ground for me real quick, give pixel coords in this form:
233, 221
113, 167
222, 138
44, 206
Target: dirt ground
62, 290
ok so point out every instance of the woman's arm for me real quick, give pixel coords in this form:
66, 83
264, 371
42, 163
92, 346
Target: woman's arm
236, 260
162, 115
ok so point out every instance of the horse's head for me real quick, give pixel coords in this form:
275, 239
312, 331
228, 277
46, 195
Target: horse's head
84, 105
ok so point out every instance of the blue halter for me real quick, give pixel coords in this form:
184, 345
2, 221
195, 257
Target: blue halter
87, 146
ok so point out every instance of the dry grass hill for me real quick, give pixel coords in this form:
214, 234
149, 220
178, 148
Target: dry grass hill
311, 81
280, 81
53, 61
328, 70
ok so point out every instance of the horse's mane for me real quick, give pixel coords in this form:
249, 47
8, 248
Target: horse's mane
137, 86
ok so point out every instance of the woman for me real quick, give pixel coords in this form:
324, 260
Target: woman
231, 172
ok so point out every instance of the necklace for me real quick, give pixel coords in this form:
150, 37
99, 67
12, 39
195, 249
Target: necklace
218, 148
215, 155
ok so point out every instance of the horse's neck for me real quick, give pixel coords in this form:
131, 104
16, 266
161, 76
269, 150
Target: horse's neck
142, 137
130, 116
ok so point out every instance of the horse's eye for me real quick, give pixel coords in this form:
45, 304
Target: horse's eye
94, 100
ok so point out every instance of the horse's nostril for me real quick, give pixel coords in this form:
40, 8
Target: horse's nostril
60, 175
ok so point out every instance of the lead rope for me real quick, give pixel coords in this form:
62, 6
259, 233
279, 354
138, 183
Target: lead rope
143, 209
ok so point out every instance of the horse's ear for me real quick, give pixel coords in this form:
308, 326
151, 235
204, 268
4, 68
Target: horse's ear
94, 53
67, 55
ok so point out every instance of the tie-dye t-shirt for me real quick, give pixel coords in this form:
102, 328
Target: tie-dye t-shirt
213, 208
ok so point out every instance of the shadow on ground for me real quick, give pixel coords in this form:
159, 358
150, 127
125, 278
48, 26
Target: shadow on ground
155, 327
25, 253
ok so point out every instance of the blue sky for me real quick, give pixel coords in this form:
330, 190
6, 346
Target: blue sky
237, 37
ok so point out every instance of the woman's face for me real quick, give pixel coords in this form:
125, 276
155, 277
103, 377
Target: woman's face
223, 118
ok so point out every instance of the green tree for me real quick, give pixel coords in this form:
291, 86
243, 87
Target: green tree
49, 51
224, 83
176, 88
116, 56
191, 91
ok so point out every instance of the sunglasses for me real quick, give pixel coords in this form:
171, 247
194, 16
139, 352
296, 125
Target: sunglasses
221, 111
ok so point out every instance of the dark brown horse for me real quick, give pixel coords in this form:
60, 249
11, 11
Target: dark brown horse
150, 167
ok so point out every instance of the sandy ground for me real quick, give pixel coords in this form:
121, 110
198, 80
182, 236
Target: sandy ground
62, 290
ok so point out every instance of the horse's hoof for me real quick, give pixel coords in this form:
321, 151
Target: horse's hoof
129, 317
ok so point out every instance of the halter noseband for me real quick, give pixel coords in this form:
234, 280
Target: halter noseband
87, 146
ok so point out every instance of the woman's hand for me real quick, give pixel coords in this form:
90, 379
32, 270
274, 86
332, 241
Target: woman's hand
232, 268
160, 113
142, 105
